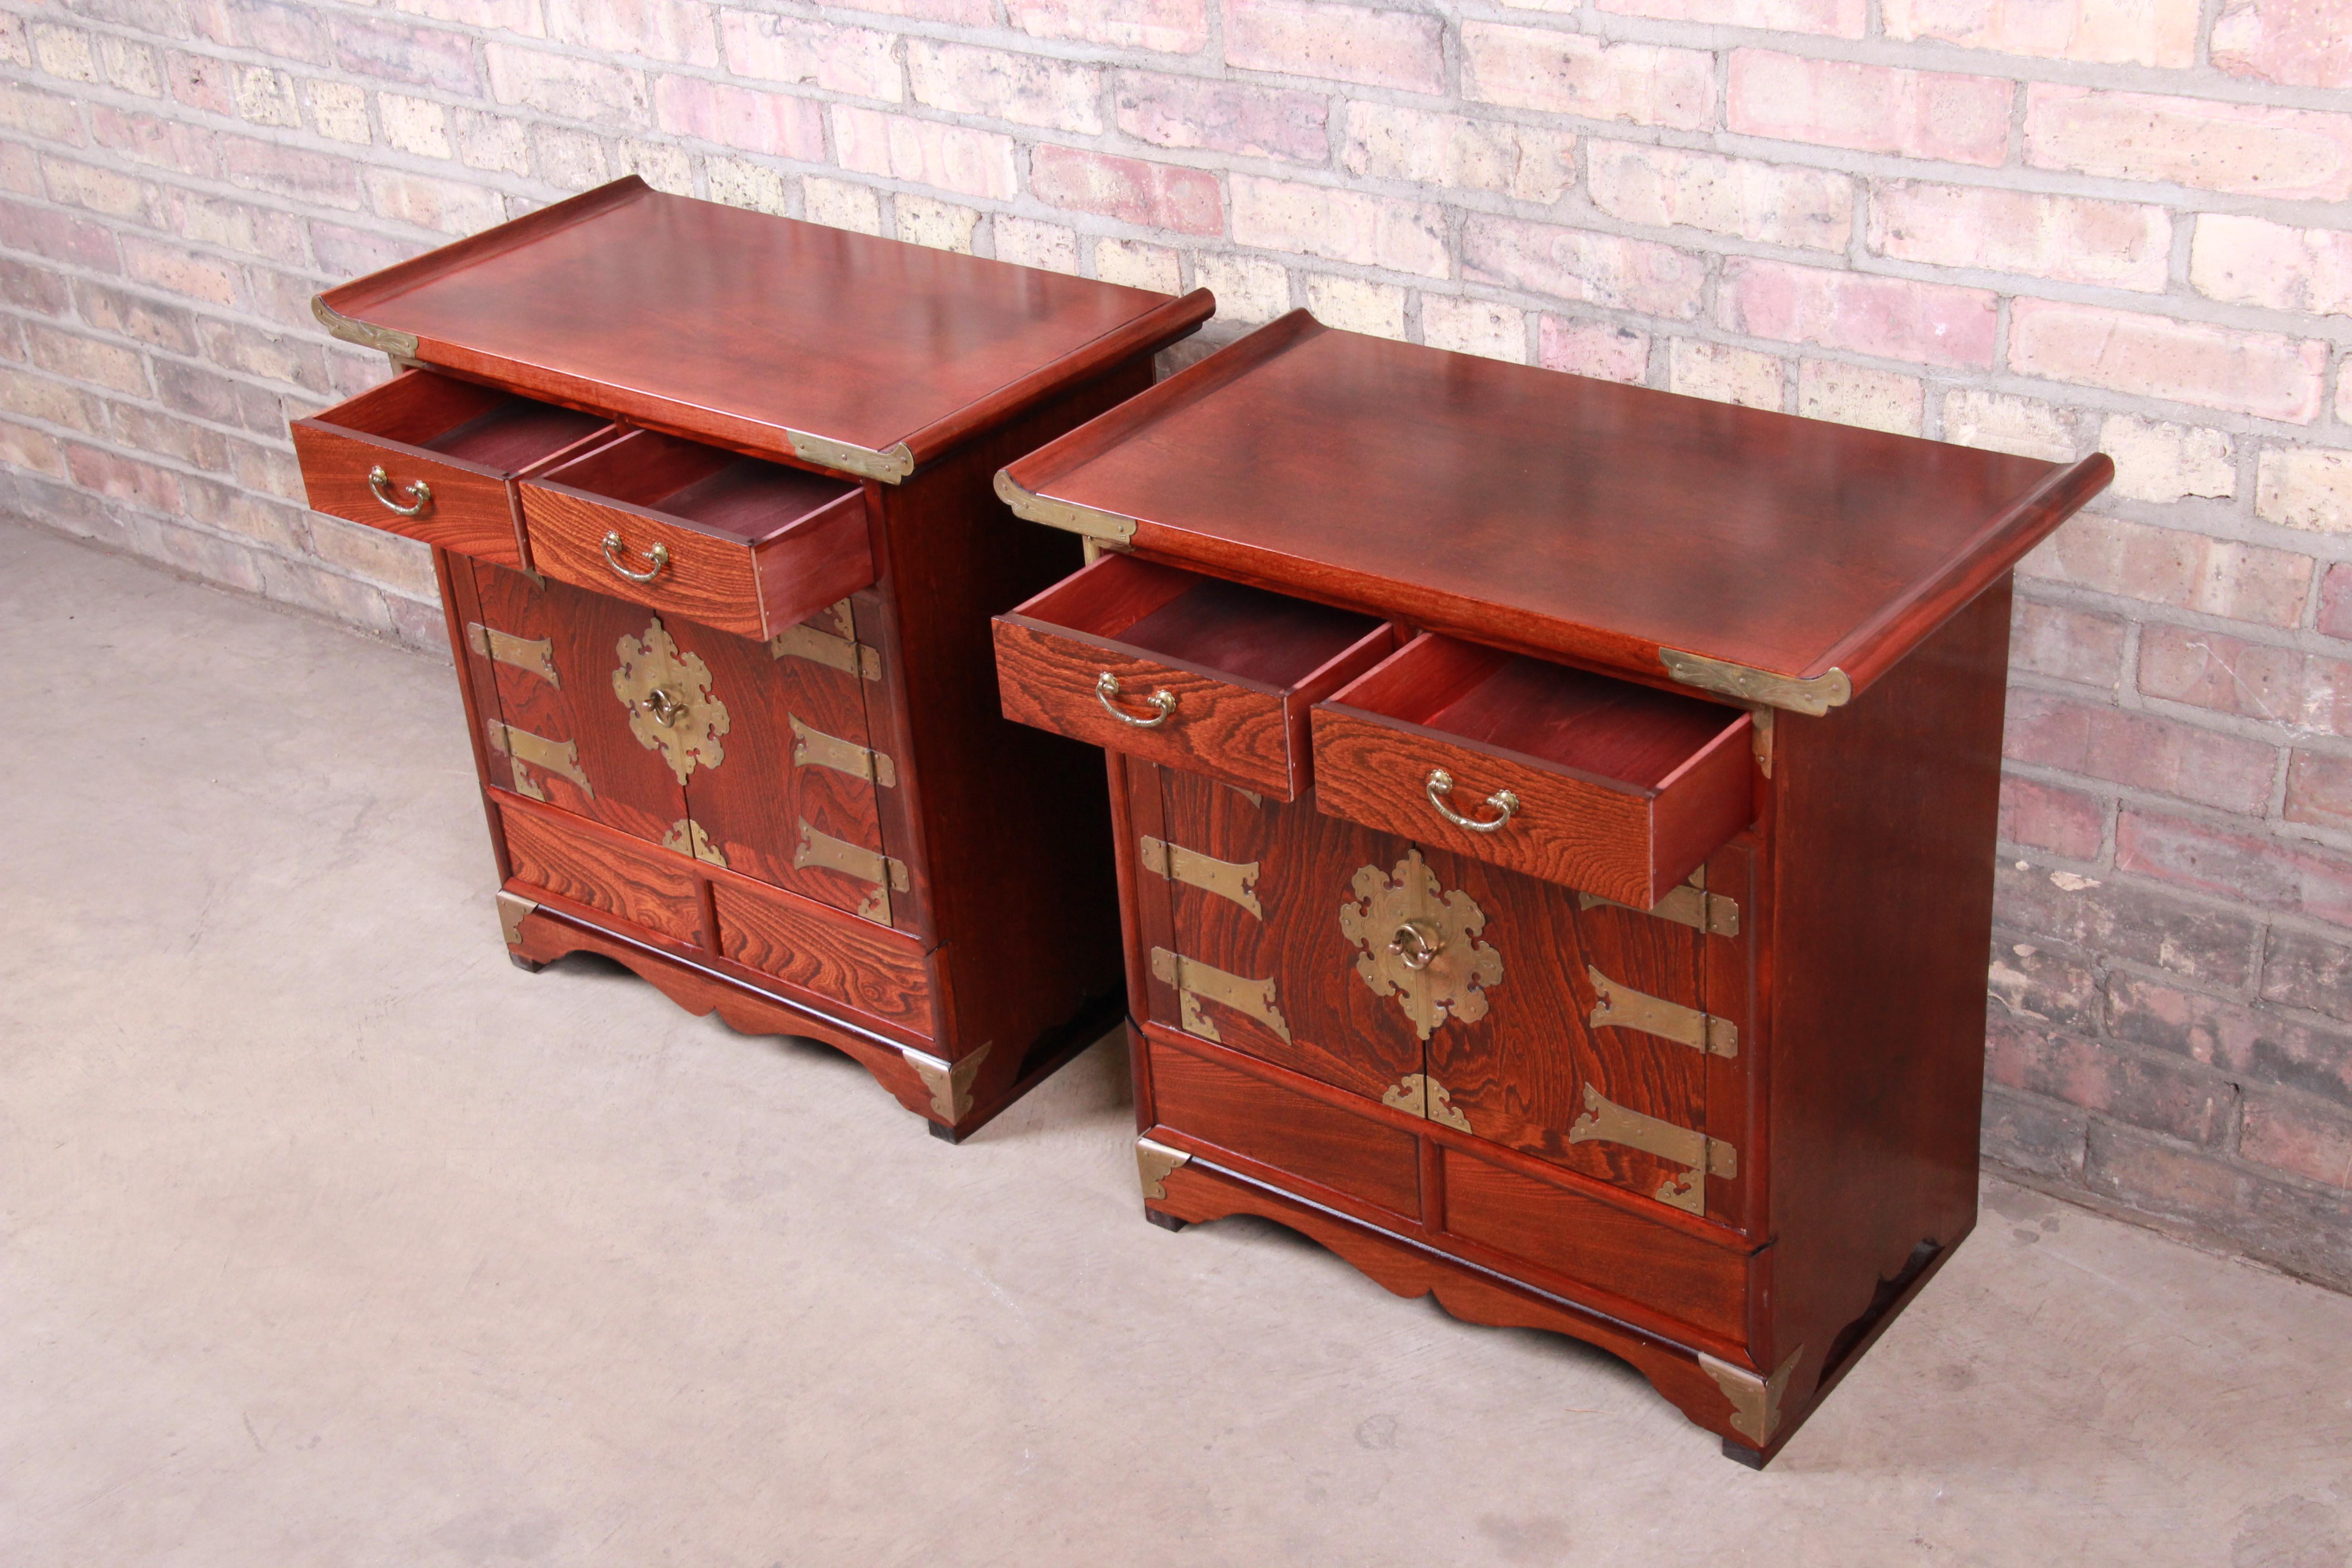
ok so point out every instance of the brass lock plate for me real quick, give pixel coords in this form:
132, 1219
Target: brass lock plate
667, 694
1419, 943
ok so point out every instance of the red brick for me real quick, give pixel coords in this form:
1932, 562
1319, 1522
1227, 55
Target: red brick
283, 31
2072, 645
330, 179
2158, 1178
23, 447
153, 140
1569, 73
2275, 266
70, 356
1604, 270
1402, 49
2140, 750
857, 60
568, 88
1870, 109
34, 288
1341, 225
30, 111
161, 435
125, 314
2295, 43
2243, 148
2121, 244
1223, 116
1600, 349
1156, 195
1895, 318
269, 356
1028, 89
2172, 566
2319, 789
2268, 873
2314, 1142
2040, 1137
772, 122
2253, 1044
201, 82
1662, 186
2303, 969
1836, 18
2065, 822
2305, 692
398, 51
58, 236
675, 30
1171, 26
2336, 601
2149, 33
2033, 986
2262, 374
123, 478
246, 226
2151, 1092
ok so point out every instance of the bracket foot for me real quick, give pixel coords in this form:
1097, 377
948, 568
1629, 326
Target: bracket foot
1164, 1221
943, 1133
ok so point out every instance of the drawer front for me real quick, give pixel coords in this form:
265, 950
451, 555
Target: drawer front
820, 951
636, 882
462, 507
1053, 679
703, 578
1621, 842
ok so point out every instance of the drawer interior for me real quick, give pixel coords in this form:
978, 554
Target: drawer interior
478, 425
1181, 617
710, 490
1570, 718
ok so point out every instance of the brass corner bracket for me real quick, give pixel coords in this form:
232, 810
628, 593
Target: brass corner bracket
383, 340
950, 1082
890, 465
512, 907
1814, 696
1153, 1162
1754, 1399
1108, 528
1418, 1094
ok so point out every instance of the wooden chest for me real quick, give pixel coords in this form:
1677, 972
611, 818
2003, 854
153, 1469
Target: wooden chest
1555, 825
709, 498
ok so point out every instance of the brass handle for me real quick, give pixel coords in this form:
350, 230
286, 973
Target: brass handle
381, 483
614, 550
1416, 942
664, 707
1162, 704
1503, 802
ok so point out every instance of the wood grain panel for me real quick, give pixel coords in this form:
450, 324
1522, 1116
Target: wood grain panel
1352, 1155
638, 882
820, 950
1572, 1235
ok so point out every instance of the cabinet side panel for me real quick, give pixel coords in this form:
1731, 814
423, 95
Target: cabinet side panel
1881, 888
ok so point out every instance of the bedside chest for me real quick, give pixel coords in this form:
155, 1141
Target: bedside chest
707, 494
1555, 825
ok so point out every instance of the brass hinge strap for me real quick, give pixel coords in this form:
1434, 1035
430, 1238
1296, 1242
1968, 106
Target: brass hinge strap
834, 653
1418, 1094
1605, 1121
1225, 879
1193, 979
828, 853
1713, 913
533, 655
1106, 527
1814, 696
889, 465
560, 758
1754, 1399
1620, 1006
1153, 1162
815, 749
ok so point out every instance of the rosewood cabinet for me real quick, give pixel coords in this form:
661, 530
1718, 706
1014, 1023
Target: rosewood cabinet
709, 498
1555, 826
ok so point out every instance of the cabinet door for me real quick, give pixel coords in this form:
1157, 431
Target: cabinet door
558, 733
1243, 896
792, 799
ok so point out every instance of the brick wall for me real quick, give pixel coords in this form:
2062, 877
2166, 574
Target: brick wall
2041, 225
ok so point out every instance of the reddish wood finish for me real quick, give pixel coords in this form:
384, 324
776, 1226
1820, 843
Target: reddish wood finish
1621, 790
1578, 520
655, 363
464, 443
1243, 666
1728, 1136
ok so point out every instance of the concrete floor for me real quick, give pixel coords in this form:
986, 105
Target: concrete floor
328, 1238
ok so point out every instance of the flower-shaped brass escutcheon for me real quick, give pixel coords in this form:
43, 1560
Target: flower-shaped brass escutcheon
1419, 943
667, 694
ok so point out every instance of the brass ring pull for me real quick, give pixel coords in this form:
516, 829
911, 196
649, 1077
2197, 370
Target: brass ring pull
664, 707
1416, 942
1162, 704
421, 493
614, 550
1503, 802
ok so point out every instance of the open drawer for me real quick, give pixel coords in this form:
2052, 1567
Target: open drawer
734, 543
435, 458
1175, 668
1602, 784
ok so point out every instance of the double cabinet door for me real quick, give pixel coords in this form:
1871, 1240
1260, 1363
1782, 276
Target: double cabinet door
756, 756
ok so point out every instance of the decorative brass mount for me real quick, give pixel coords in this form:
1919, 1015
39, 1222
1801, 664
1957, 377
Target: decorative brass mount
1754, 1399
889, 465
885, 874
383, 340
685, 837
1691, 904
1605, 1121
1153, 1162
512, 908
1418, 1094
535, 655
1813, 697
841, 653
1193, 979
1623, 1007
1109, 529
560, 758
1419, 946
667, 694
813, 748
950, 1082
1226, 879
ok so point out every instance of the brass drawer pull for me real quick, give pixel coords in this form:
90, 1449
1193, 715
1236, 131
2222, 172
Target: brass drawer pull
614, 550
1503, 802
1162, 704
421, 493
665, 707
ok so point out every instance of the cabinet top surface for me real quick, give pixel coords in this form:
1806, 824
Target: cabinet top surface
1580, 518
684, 309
